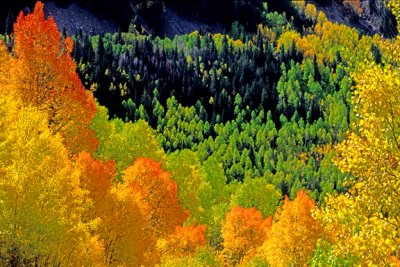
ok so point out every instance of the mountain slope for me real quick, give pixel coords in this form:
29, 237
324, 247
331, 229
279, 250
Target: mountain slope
170, 17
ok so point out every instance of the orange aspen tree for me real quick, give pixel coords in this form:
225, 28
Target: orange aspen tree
121, 222
45, 76
156, 195
244, 231
183, 242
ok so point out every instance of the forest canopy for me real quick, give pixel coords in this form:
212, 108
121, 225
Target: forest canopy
272, 147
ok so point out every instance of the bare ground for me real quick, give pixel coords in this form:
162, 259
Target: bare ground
74, 18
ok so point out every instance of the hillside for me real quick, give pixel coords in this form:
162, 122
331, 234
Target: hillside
176, 17
215, 133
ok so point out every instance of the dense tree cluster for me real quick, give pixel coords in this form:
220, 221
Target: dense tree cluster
219, 150
258, 103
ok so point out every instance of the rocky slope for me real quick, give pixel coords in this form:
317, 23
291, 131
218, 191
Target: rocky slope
74, 18
170, 17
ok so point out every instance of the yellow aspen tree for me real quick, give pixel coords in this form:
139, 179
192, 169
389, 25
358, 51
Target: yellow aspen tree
42, 202
123, 230
365, 222
294, 235
395, 7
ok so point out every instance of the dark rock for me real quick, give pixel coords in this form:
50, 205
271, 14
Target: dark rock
74, 17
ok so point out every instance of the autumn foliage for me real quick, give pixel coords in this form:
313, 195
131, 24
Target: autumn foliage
365, 222
79, 189
294, 226
184, 241
243, 231
42, 210
44, 216
45, 76
156, 194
